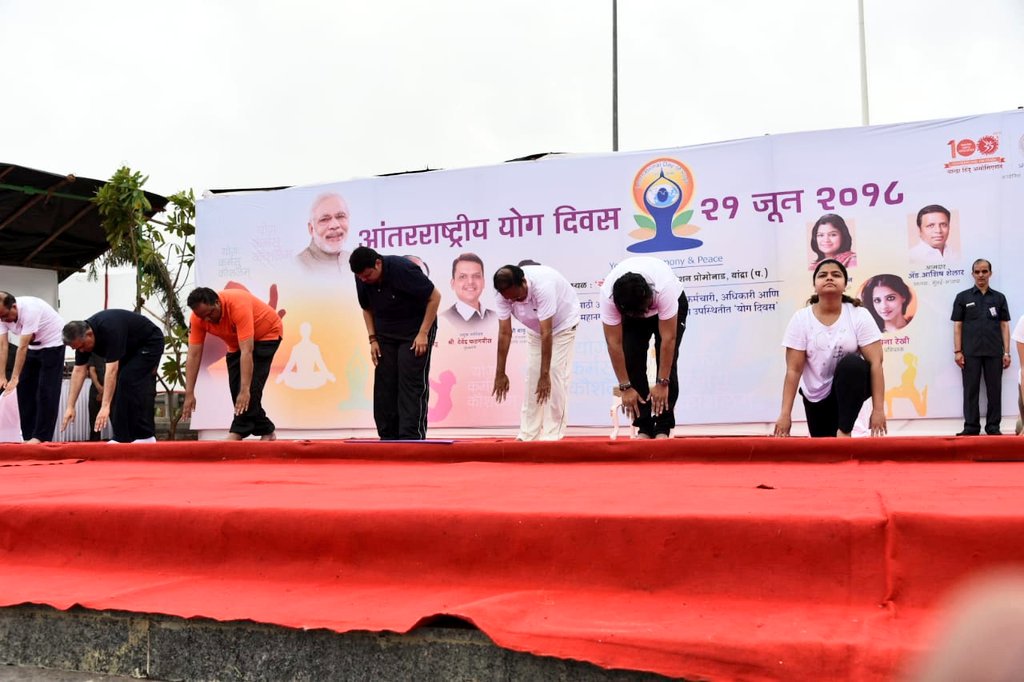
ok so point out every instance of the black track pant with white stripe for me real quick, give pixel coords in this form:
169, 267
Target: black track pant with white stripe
401, 389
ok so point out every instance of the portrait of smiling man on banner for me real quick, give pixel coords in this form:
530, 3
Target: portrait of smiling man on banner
468, 285
935, 242
328, 228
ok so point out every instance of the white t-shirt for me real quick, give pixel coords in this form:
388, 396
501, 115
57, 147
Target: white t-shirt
825, 346
549, 296
1018, 336
663, 282
36, 316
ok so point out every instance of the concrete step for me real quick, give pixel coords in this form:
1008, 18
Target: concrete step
40, 644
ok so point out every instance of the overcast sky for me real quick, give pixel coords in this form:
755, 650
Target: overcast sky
218, 94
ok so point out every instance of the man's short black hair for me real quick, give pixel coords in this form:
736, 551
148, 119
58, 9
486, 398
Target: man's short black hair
362, 258
74, 331
470, 257
632, 295
931, 208
201, 295
8, 299
508, 276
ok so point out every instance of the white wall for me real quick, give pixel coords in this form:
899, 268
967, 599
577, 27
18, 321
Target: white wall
29, 282
80, 297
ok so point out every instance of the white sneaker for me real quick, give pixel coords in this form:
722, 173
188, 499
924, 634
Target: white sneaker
151, 439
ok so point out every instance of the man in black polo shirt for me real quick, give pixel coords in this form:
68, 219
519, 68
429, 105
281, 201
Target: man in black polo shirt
400, 311
132, 346
981, 346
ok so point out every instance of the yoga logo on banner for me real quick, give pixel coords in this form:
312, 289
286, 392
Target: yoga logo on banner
662, 189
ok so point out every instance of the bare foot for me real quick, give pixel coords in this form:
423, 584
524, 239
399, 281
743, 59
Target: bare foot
269, 436
661, 436
33, 441
843, 434
233, 436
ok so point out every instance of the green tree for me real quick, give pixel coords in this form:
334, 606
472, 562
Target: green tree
162, 251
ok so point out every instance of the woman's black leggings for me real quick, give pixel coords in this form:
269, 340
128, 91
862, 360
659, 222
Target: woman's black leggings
851, 386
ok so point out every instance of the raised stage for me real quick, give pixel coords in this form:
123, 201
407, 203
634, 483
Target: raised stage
700, 558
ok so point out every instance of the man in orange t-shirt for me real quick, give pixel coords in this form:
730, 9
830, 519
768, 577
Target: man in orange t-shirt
252, 331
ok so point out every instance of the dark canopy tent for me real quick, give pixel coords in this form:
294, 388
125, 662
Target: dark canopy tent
528, 157
48, 221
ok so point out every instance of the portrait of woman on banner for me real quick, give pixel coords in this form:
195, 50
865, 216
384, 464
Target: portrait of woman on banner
830, 238
890, 301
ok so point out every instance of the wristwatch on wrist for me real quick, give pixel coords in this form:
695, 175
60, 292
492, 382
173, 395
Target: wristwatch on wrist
625, 387
662, 382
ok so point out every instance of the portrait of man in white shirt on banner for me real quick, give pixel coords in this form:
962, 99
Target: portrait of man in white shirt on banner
467, 285
934, 231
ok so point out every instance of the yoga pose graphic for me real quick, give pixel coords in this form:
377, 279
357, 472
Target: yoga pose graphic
305, 370
907, 389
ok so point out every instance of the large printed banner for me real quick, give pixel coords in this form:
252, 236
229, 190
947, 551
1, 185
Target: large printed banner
742, 223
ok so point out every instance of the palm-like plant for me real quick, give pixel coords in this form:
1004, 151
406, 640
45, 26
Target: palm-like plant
156, 248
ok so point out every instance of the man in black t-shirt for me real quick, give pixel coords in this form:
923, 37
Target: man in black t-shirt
132, 346
400, 311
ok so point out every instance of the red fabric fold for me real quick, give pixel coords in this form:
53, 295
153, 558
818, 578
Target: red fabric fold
691, 449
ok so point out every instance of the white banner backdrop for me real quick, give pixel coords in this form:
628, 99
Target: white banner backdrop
733, 219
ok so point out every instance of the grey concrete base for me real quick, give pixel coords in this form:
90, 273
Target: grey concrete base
165, 648
13, 673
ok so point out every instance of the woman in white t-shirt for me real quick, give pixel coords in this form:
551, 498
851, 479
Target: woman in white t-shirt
834, 355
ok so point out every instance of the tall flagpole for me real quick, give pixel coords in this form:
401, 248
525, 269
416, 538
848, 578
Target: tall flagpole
865, 118
615, 75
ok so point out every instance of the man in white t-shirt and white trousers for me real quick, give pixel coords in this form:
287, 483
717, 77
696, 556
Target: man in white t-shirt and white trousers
641, 297
544, 301
1018, 337
39, 363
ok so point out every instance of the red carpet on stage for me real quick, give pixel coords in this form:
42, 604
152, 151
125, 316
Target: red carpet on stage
704, 558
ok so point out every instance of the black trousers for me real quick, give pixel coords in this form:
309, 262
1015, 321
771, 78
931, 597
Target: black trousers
254, 421
94, 409
636, 341
133, 407
976, 366
401, 389
39, 392
838, 411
